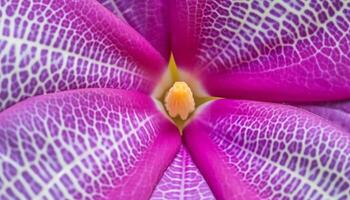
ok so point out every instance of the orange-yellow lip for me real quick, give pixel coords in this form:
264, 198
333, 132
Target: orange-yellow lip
179, 100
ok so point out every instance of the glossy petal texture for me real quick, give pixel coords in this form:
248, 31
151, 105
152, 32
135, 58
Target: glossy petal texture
56, 45
150, 18
84, 144
182, 180
337, 112
246, 148
267, 50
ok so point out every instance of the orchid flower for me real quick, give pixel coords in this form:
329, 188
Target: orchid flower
257, 106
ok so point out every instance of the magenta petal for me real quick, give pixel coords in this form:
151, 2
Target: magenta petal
150, 18
58, 45
182, 180
279, 51
337, 112
84, 144
268, 151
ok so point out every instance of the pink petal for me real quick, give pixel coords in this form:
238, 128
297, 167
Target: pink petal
336, 112
84, 144
182, 180
150, 18
258, 150
60, 45
278, 51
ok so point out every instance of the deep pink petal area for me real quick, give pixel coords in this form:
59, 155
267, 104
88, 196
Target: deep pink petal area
84, 144
150, 18
337, 112
275, 151
266, 50
182, 180
56, 45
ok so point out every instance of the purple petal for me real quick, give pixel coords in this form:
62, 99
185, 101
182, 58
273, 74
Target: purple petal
337, 112
266, 50
150, 18
269, 151
84, 144
60, 45
182, 180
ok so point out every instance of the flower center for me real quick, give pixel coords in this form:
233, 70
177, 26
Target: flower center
180, 93
179, 100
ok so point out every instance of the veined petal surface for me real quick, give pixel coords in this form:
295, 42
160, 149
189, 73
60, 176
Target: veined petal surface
55, 45
150, 18
84, 144
254, 150
182, 180
337, 112
267, 50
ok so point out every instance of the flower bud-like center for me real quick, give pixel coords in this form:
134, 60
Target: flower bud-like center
179, 100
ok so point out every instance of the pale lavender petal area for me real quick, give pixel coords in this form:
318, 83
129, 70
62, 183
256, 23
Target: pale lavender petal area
269, 151
84, 144
182, 180
337, 112
265, 50
56, 45
150, 18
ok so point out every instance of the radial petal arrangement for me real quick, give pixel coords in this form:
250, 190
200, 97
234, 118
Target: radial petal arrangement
81, 117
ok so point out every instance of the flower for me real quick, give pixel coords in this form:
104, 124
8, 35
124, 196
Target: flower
77, 120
